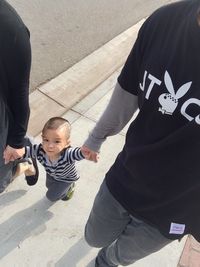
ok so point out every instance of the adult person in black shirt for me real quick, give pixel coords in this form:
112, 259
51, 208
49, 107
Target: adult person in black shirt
15, 63
151, 194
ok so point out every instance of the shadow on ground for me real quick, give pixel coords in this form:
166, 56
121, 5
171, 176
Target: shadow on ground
22, 224
75, 254
9, 197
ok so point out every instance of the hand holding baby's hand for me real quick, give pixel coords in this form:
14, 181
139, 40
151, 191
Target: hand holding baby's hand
90, 154
11, 154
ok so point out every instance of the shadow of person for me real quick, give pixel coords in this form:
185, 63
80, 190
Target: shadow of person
74, 254
9, 197
91, 263
21, 225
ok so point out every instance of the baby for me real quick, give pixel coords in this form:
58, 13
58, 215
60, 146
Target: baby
58, 159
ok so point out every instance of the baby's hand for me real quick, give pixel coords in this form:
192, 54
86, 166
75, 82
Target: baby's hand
90, 154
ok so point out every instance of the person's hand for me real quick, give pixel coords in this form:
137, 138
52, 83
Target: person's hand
90, 154
11, 154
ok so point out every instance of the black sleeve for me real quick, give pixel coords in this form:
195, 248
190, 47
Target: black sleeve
16, 53
129, 76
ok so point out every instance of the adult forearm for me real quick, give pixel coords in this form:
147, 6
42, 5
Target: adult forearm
119, 111
18, 126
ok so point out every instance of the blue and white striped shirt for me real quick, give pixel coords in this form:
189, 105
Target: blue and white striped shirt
64, 168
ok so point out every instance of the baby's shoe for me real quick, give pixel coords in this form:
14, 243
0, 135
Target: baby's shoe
31, 175
69, 193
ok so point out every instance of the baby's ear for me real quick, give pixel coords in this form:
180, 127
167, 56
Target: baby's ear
68, 143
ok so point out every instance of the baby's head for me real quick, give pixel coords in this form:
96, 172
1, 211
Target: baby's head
56, 123
55, 136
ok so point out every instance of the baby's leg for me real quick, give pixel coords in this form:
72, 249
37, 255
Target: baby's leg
56, 190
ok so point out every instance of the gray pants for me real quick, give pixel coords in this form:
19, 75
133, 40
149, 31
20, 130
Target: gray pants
5, 170
56, 189
6, 175
123, 238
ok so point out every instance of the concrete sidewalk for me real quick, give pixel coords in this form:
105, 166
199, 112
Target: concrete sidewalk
37, 233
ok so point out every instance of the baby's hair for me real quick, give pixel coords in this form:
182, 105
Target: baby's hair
55, 122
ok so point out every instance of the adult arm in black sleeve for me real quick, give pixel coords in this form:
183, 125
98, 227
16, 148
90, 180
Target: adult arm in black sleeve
17, 62
16, 57
17, 65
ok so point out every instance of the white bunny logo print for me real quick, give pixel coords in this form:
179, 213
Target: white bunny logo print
169, 101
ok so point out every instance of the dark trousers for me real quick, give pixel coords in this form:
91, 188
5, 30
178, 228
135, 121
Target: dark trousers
5, 170
123, 238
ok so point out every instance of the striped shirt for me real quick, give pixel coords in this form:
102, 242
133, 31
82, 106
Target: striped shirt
64, 168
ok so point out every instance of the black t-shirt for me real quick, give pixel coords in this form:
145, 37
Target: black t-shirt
15, 61
156, 177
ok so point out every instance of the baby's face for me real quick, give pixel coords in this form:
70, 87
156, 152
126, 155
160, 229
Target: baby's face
54, 141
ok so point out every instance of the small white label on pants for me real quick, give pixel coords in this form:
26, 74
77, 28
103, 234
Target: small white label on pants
177, 228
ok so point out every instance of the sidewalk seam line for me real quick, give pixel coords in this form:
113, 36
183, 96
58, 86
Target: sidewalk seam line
51, 98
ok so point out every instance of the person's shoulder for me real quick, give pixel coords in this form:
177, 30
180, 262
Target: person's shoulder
11, 21
170, 10
166, 15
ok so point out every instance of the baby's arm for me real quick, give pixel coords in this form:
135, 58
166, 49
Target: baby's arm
73, 154
31, 151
